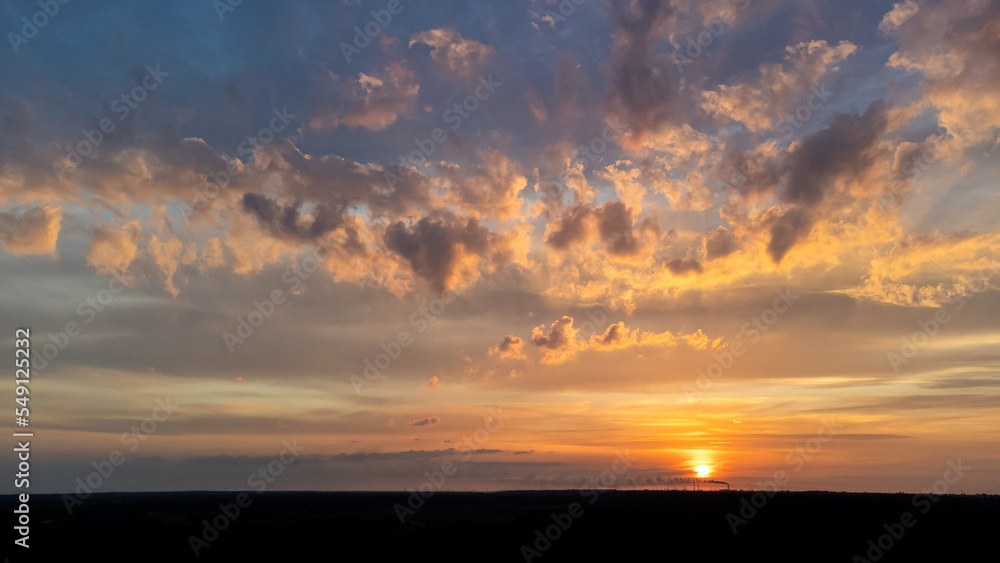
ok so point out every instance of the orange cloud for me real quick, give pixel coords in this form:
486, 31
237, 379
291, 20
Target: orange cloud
35, 231
453, 54
512, 348
560, 342
950, 43
424, 421
761, 102
167, 255
928, 270
372, 101
487, 187
113, 250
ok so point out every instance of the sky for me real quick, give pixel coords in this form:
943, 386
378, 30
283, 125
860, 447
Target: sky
539, 244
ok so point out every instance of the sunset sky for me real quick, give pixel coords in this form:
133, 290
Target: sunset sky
531, 237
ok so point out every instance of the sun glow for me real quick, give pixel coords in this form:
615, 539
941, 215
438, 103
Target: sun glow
702, 470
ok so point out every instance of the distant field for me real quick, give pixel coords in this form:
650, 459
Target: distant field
511, 526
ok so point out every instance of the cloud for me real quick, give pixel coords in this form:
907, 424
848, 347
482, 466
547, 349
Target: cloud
444, 249
288, 220
213, 254
168, 256
432, 383
486, 187
761, 103
845, 146
560, 342
615, 225
34, 231
424, 421
900, 13
844, 151
950, 44
373, 102
931, 270
787, 230
720, 242
537, 105
614, 336
683, 266
612, 223
618, 337
510, 349
571, 228
114, 249
452, 54
641, 92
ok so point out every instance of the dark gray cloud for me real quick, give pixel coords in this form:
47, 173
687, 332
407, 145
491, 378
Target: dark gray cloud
509, 348
615, 225
336, 181
558, 337
288, 221
612, 335
683, 266
435, 245
844, 147
720, 242
786, 230
641, 91
424, 421
844, 150
570, 228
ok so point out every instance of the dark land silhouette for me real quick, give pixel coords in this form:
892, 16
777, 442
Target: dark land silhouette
499, 526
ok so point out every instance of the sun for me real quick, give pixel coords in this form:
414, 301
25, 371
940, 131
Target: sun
702, 470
